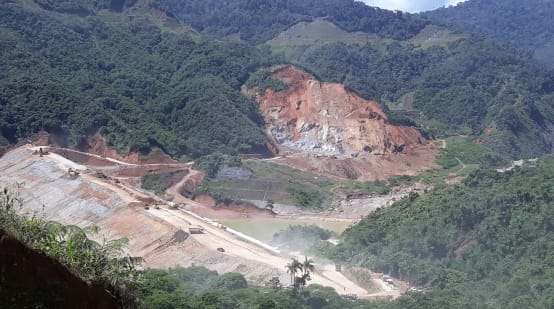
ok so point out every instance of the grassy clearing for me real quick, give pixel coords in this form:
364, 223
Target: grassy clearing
461, 156
285, 185
275, 182
433, 35
318, 32
463, 150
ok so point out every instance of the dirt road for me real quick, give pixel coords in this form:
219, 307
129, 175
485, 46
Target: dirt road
215, 237
149, 230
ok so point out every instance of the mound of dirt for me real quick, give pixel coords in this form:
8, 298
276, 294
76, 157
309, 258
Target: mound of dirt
327, 122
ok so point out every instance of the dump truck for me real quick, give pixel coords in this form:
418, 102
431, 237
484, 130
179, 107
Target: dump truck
196, 229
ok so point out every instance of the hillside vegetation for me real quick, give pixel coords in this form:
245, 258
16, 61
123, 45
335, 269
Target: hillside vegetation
460, 84
76, 67
104, 265
486, 243
259, 21
139, 86
197, 287
526, 25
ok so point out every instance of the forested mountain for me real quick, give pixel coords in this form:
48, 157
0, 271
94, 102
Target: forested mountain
465, 85
140, 86
261, 20
489, 89
76, 67
486, 243
527, 25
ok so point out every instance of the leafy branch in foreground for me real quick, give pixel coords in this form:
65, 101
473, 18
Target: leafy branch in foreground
105, 264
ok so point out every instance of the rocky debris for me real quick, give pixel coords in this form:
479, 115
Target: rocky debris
330, 119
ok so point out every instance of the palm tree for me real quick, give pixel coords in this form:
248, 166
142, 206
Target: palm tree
292, 268
308, 266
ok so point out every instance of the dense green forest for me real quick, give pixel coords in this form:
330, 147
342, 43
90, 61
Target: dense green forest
139, 86
259, 21
84, 7
486, 243
527, 25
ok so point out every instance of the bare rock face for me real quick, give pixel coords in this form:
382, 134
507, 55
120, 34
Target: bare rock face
329, 119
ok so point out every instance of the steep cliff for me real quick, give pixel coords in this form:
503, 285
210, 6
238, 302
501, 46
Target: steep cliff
328, 128
330, 119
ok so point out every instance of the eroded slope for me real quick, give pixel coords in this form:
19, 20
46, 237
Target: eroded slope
332, 123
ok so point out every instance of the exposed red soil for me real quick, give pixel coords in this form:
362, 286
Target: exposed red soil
206, 206
329, 129
120, 170
86, 192
83, 158
42, 139
96, 144
363, 168
139, 171
205, 200
338, 115
192, 181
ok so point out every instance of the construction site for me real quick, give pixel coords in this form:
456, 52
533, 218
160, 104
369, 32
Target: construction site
323, 134
84, 189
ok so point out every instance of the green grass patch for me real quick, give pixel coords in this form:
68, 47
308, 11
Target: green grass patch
433, 35
159, 182
463, 150
210, 164
270, 181
461, 157
371, 187
319, 31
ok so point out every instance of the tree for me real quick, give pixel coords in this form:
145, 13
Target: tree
307, 268
292, 269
